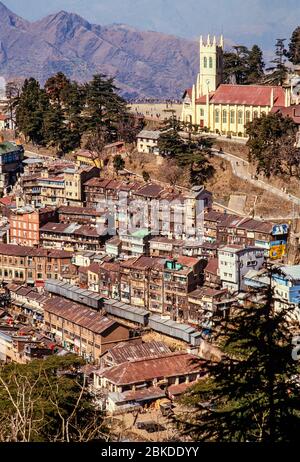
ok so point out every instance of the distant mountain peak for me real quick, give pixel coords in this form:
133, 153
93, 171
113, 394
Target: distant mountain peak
11, 18
144, 64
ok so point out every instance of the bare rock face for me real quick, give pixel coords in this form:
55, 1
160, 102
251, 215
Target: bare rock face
144, 64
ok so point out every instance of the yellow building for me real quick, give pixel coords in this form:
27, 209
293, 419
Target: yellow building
86, 158
225, 108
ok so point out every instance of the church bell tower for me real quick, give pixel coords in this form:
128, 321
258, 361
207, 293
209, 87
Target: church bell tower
211, 65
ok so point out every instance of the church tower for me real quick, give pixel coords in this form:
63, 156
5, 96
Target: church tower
211, 65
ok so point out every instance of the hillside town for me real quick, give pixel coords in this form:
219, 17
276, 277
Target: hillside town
118, 249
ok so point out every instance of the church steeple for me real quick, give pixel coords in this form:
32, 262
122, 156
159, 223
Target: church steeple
211, 65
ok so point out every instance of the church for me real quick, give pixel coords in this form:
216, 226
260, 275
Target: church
225, 109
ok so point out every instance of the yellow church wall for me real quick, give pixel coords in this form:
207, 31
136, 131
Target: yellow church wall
232, 122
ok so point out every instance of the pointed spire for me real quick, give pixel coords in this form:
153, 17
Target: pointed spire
222, 41
214, 40
201, 41
208, 40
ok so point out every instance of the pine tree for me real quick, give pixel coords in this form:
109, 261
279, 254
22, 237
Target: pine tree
279, 70
294, 47
256, 65
32, 104
104, 106
252, 394
56, 87
243, 66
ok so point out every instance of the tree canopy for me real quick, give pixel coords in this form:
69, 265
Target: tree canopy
47, 400
64, 113
278, 71
187, 153
252, 394
243, 66
294, 47
272, 145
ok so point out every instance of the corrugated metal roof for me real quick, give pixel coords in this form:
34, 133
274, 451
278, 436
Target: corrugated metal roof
123, 353
77, 314
170, 365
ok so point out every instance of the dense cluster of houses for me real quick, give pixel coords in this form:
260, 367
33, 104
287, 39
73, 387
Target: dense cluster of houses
93, 266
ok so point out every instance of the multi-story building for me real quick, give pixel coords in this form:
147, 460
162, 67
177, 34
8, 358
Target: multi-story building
136, 244
72, 237
80, 215
164, 211
11, 167
82, 330
25, 223
206, 304
234, 262
61, 185
223, 229
159, 284
22, 264
285, 281
163, 247
147, 141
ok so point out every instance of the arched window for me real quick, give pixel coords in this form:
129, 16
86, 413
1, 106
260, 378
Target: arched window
240, 117
263, 113
255, 114
217, 116
248, 116
232, 116
210, 62
201, 112
205, 61
224, 116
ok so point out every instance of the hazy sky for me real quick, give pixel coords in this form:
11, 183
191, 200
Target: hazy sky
243, 21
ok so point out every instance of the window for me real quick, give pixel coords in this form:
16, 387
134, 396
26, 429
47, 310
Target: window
201, 112
255, 115
248, 116
240, 117
224, 116
232, 117
205, 61
217, 116
210, 62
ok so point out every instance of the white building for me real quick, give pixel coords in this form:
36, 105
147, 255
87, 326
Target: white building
234, 262
147, 141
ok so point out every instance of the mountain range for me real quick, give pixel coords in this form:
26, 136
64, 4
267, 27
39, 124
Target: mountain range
144, 64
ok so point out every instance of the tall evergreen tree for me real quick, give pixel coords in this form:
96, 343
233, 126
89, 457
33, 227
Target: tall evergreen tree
252, 394
243, 66
32, 105
56, 87
294, 47
279, 69
104, 106
255, 71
